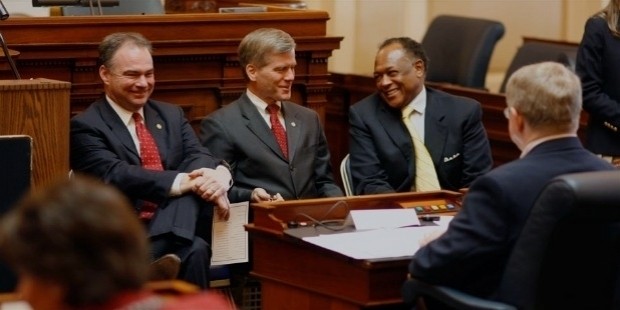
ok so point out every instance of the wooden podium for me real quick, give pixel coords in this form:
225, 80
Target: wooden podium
295, 274
39, 108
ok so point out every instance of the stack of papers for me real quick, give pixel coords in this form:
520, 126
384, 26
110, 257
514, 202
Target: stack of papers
392, 233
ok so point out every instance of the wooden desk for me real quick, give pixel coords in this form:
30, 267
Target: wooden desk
39, 108
299, 275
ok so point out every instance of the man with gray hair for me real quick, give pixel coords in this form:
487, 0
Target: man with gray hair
276, 148
544, 105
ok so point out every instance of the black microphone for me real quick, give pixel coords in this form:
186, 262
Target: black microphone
4, 14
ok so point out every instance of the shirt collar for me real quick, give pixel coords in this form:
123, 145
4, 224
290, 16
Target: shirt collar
259, 103
123, 113
418, 104
534, 143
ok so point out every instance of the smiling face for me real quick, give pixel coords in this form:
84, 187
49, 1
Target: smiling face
398, 77
130, 79
272, 82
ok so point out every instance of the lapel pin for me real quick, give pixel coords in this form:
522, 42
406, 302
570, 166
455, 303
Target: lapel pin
158, 126
293, 124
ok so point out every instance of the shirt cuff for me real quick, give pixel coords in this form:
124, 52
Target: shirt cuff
225, 166
175, 190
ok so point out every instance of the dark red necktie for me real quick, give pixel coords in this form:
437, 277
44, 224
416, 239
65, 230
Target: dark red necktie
277, 128
149, 156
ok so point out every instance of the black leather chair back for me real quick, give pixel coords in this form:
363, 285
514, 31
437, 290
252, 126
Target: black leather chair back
568, 254
460, 48
533, 52
15, 175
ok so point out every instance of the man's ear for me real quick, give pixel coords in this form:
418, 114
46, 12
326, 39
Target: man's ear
418, 66
104, 74
251, 70
519, 120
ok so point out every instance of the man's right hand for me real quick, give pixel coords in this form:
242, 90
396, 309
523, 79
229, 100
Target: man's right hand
260, 195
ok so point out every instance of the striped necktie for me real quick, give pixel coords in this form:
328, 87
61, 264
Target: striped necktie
425, 174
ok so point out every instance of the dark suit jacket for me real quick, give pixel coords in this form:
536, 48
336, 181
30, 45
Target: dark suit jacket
598, 65
381, 150
472, 254
102, 146
239, 134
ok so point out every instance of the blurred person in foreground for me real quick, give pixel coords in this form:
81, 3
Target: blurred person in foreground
77, 244
543, 111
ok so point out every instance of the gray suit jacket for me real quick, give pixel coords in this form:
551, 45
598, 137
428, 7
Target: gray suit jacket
102, 146
239, 134
381, 151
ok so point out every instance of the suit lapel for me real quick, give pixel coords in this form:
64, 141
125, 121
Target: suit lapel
256, 124
293, 128
395, 129
435, 131
157, 127
117, 126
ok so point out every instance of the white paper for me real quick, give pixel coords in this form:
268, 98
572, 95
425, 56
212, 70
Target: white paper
230, 239
384, 218
15, 305
377, 243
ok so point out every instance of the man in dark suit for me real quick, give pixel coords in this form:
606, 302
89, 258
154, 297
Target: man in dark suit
281, 154
174, 195
544, 105
382, 154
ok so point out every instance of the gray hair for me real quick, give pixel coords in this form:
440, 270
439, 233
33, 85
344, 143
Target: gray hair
548, 95
258, 45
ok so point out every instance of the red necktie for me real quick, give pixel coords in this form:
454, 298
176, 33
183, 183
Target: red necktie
149, 155
277, 128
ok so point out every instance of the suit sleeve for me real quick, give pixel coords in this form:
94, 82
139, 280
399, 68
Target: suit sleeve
194, 155
214, 136
477, 158
324, 179
96, 151
474, 241
367, 172
589, 67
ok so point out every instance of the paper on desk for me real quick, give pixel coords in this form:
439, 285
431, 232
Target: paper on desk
383, 218
375, 244
230, 240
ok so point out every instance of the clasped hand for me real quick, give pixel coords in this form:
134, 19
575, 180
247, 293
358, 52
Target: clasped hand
213, 185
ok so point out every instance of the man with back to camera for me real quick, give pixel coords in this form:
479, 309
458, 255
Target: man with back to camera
276, 148
407, 137
149, 151
543, 111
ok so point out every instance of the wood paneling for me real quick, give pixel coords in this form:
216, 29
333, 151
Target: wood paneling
195, 54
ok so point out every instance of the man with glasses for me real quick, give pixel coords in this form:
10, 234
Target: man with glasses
544, 106
407, 137
148, 150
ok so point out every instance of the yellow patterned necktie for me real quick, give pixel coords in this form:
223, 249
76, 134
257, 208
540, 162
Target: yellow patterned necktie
425, 174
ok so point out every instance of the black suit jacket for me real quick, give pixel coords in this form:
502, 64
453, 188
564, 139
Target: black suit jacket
102, 146
239, 134
598, 65
381, 150
472, 254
